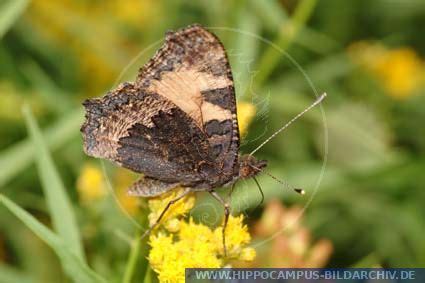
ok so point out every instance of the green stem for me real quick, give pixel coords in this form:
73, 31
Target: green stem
148, 275
132, 259
288, 31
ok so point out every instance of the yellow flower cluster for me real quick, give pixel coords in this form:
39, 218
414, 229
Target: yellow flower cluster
189, 244
400, 71
246, 112
93, 31
91, 187
170, 220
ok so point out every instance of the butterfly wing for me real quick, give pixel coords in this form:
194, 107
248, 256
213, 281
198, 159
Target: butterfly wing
177, 123
192, 70
146, 133
148, 187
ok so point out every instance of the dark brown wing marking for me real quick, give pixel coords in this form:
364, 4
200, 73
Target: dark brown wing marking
192, 70
148, 187
146, 133
174, 150
109, 118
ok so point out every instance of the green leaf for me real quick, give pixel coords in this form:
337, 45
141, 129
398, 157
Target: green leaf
9, 13
57, 200
358, 138
287, 34
148, 275
271, 13
54, 97
11, 275
71, 262
274, 17
19, 156
245, 48
132, 260
369, 261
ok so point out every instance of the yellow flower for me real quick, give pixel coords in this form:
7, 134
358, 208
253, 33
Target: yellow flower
195, 244
196, 247
93, 31
236, 237
123, 179
248, 254
90, 185
160, 243
135, 13
180, 208
198, 233
400, 71
246, 112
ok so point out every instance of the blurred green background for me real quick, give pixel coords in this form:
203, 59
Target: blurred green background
367, 55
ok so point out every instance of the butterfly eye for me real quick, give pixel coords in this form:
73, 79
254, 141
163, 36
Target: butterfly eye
244, 171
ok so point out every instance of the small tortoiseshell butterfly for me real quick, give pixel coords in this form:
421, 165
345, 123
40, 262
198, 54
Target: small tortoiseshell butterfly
176, 123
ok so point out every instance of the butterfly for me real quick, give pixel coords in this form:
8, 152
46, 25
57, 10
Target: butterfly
176, 123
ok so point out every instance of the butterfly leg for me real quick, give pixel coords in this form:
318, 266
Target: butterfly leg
229, 196
169, 204
261, 192
226, 217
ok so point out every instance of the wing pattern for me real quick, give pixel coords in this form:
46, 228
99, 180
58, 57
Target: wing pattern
177, 123
192, 70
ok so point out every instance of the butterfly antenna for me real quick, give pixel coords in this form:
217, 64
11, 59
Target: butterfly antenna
318, 100
285, 184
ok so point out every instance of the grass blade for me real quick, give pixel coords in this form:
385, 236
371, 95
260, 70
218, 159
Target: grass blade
11, 275
54, 97
246, 48
57, 200
274, 17
132, 260
9, 13
19, 156
271, 13
71, 262
287, 35
148, 275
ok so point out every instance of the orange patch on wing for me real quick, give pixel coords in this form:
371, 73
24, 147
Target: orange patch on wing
184, 87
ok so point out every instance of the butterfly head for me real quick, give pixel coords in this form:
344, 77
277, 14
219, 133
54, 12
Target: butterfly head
249, 166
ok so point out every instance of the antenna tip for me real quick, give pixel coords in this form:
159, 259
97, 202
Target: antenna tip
300, 191
321, 97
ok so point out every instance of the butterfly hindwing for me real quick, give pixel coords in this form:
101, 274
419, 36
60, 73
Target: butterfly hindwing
192, 70
174, 150
148, 187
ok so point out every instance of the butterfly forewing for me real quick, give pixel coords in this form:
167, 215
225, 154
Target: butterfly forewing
192, 70
177, 123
